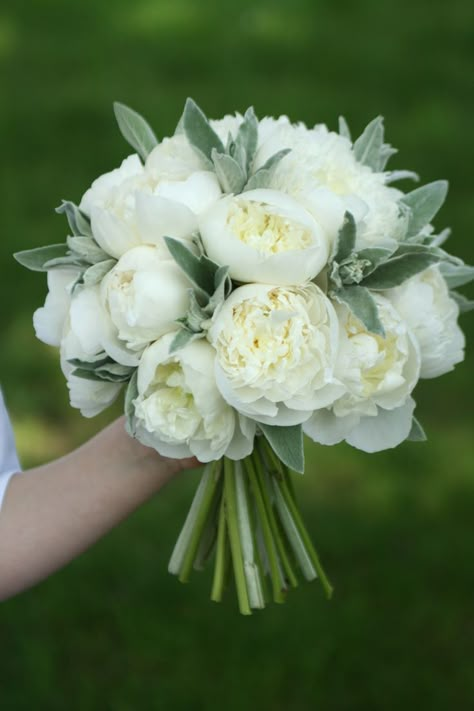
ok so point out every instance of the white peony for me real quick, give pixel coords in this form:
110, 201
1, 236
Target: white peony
228, 124
276, 350
143, 295
431, 314
179, 410
322, 160
141, 205
379, 374
173, 159
89, 396
264, 237
49, 320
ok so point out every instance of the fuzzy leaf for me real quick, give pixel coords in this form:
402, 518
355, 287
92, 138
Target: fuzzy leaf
130, 395
346, 238
245, 143
135, 130
368, 146
396, 270
287, 443
199, 131
362, 304
344, 128
462, 301
263, 176
424, 203
182, 338
417, 433
78, 222
36, 259
457, 274
200, 270
228, 171
97, 272
87, 248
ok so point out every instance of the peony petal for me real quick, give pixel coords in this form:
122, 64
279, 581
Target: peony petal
388, 429
325, 428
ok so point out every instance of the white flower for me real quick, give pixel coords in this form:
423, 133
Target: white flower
379, 374
144, 294
228, 124
276, 350
179, 410
140, 205
49, 320
431, 314
264, 237
89, 396
173, 159
321, 160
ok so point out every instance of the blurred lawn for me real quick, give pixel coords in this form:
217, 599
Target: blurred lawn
114, 631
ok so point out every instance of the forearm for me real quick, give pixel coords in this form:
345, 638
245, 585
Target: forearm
54, 512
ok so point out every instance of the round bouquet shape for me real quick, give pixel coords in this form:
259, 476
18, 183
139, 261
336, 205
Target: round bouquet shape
245, 283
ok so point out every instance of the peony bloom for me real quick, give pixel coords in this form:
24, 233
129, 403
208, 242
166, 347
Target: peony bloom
264, 237
276, 350
179, 410
431, 314
379, 374
49, 320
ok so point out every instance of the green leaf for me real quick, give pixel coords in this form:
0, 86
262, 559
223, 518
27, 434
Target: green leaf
424, 203
346, 238
182, 338
457, 275
369, 149
245, 143
362, 304
417, 433
87, 248
374, 255
130, 395
36, 259
200, 270
78, 222
287, 443
135, 130
229, 173
263, 176
396, 270
97, 272
104, 370
462, 301
344, 128
199, 131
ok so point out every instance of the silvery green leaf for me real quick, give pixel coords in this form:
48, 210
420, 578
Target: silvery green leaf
386, 152
35, 259
130, 395
287, 443
196, 313
438, 240
87, 248
396, 270
344, 128
200, 270
87, 374
89, 364
70, 261
182, 338
346, 238
393, 175
228, 171
199, 131
462, 301
135, 130
263, 176
457, 275
369, 149
97, 272
424, 203
374, 255
246, 139
362, 304
417, 433
222, 290
78, 221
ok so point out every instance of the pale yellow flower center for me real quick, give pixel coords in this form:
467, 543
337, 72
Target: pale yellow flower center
256, 225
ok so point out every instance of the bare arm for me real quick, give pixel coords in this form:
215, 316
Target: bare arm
54, 512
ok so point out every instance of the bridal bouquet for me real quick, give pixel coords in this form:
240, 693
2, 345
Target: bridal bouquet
248, 282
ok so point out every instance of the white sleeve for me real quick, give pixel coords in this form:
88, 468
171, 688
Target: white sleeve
9, 463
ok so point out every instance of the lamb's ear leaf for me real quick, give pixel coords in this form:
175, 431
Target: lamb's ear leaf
199, 270
130, 395
287, 443
346, 238
362, 304
246, 139
396, 270
78, 222
199, 131
344, 128
462, 301
456, 274
417, 433
136, 131
37, 259
229, 173
424, 203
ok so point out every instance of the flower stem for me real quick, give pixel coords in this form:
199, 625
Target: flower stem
222, 555
234, 536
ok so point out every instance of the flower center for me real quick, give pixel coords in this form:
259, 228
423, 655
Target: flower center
256, 225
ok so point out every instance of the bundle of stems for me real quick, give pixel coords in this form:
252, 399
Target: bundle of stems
245, 514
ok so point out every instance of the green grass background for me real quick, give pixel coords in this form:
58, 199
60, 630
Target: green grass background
113, 631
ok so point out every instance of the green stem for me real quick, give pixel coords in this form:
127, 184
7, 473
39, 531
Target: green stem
234, 536
222, 556
267, 533
282, 487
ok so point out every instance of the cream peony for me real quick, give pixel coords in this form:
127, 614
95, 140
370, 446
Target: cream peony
179, 410
431, 314
276, 350
89, 396
379, 374
264, 237
49, 320
143, 295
